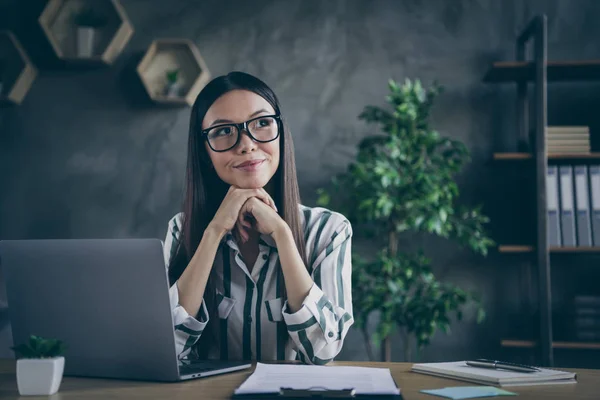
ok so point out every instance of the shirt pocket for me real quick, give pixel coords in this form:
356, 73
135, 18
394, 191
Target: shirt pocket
224, 305
274, 307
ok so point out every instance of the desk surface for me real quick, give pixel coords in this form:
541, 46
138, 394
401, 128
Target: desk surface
222, 386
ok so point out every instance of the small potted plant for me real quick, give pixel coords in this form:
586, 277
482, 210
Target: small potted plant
172, 86
87, 22
40, 366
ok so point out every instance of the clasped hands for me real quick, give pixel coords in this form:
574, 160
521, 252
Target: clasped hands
248, 209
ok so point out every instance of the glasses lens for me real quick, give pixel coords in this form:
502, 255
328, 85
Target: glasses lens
222, 137
264, 129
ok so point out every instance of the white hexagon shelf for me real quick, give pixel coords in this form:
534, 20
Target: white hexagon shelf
89, 31
173, 71
17, 73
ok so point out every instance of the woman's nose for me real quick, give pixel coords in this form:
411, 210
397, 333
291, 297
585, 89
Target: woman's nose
246, 143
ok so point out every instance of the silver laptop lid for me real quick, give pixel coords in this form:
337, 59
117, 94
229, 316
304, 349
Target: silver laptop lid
107, 299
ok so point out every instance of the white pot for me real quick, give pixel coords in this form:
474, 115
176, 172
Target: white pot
172, 90
39, 376
85, 41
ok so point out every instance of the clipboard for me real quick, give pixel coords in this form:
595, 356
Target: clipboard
287, 382
316, 392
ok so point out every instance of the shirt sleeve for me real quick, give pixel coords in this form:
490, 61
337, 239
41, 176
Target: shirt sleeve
188, 329
319, 327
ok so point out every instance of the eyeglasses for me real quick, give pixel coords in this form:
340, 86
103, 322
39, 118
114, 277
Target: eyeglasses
261, 129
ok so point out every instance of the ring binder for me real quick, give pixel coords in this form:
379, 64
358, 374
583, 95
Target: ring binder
324, 393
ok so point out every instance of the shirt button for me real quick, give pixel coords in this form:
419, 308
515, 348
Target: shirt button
330, 334
265, 257
249, 318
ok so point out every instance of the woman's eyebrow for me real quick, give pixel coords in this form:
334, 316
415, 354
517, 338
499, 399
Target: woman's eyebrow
226, 121
262, 110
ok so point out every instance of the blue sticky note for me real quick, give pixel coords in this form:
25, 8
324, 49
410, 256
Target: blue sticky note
468, 392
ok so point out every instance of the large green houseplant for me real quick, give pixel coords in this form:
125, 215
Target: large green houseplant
402, 182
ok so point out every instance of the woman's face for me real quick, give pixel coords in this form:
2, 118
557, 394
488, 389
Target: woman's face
250, 164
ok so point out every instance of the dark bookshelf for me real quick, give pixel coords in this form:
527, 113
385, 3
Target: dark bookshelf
517, 71
531, 74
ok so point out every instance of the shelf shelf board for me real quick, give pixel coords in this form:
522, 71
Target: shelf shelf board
530, 249
528, 344
551, 157
515, 249
17, 72
512, 156
57, 21
575, 249
516, 71
172, 54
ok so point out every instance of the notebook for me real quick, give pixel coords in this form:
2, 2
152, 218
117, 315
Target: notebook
461, 371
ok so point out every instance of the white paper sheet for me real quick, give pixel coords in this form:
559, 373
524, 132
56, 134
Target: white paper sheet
269, 378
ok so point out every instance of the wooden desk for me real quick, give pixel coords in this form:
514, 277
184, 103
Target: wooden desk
222, 386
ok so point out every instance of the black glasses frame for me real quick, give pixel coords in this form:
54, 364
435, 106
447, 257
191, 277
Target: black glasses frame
243, 127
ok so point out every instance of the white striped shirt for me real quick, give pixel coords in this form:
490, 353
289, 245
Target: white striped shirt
254, 322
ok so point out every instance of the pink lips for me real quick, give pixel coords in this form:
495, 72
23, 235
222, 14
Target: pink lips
251, 165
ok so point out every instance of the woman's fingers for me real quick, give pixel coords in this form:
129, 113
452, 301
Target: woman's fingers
266, 198
242, 232
260, 193
242, 219
232, 205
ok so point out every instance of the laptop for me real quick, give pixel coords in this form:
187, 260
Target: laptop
107, 299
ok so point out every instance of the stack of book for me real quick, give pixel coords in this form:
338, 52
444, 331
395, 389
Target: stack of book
568, 139
587, 318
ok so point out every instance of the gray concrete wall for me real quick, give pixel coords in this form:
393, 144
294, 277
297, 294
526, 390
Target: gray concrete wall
86, 155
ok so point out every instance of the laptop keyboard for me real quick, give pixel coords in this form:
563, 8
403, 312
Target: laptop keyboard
194, 369
197, 366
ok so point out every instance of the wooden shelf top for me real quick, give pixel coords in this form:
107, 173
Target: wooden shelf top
555, 345
19, 72
515, 249
513, 156
515, 71
167, 55
59, 26
530, 249
551, 156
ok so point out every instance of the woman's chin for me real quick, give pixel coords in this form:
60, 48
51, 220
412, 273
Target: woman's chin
251, 183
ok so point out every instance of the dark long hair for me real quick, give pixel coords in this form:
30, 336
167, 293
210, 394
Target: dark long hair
204, 190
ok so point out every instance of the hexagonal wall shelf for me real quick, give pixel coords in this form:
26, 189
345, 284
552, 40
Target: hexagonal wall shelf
173, 71
89, 31
17, 73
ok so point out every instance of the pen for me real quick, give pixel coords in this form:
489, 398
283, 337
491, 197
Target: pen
493, 364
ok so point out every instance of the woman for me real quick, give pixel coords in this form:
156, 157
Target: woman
254, 274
